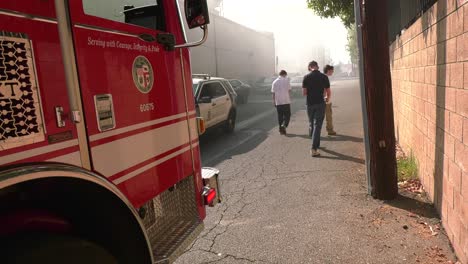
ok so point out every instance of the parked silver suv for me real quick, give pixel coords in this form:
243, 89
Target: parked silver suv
215, 101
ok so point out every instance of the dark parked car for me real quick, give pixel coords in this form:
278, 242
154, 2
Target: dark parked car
296, 85
264, 84
242, 89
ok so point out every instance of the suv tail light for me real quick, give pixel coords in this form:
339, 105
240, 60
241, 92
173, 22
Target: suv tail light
201, 125
209, 196
211, 193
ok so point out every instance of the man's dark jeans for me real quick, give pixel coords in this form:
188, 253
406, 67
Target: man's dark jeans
284, 115
316, 115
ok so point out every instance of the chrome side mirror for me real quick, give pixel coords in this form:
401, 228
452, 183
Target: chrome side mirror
196, 13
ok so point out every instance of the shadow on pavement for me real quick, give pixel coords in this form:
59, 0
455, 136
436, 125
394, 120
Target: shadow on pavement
296, 135
413, 204
339, 156
225, 153
217, 146
342, 138
331, 138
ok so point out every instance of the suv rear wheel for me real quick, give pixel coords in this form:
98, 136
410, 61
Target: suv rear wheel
230, 122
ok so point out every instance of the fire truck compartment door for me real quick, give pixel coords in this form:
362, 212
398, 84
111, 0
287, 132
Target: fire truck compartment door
133, 93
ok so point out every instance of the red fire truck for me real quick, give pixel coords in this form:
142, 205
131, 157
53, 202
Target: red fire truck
99, 152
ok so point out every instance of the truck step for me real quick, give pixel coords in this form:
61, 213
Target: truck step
170, 245
172, 221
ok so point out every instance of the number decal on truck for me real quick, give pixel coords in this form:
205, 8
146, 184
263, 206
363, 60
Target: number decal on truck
146, 107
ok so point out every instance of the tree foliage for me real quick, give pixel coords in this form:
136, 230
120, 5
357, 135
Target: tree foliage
344, 9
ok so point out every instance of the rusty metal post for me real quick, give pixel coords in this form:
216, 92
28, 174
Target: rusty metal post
382, 168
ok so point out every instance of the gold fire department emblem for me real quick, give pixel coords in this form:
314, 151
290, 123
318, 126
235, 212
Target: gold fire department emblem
143, 76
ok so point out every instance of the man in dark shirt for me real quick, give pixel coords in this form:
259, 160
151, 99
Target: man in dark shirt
315, 85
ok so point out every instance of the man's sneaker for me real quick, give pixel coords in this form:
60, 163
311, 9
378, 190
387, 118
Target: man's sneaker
314, 153
331, 133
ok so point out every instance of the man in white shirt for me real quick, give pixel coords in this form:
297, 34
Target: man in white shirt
281, 99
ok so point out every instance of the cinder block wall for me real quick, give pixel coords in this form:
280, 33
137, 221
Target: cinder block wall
429, 64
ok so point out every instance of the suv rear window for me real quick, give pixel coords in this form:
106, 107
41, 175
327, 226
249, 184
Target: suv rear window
235, 83
212, 90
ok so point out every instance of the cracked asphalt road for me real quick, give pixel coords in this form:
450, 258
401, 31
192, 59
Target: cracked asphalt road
282, 206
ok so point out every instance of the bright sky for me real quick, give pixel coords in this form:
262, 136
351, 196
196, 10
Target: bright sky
295, 27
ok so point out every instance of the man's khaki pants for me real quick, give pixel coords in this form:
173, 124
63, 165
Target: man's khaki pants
329, 117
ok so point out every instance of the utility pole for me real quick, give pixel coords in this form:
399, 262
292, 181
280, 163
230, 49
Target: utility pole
371, 17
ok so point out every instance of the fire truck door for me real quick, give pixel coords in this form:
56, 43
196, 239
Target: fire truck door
135, 111
33, 99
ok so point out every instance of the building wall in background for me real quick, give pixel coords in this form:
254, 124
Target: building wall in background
233, 51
